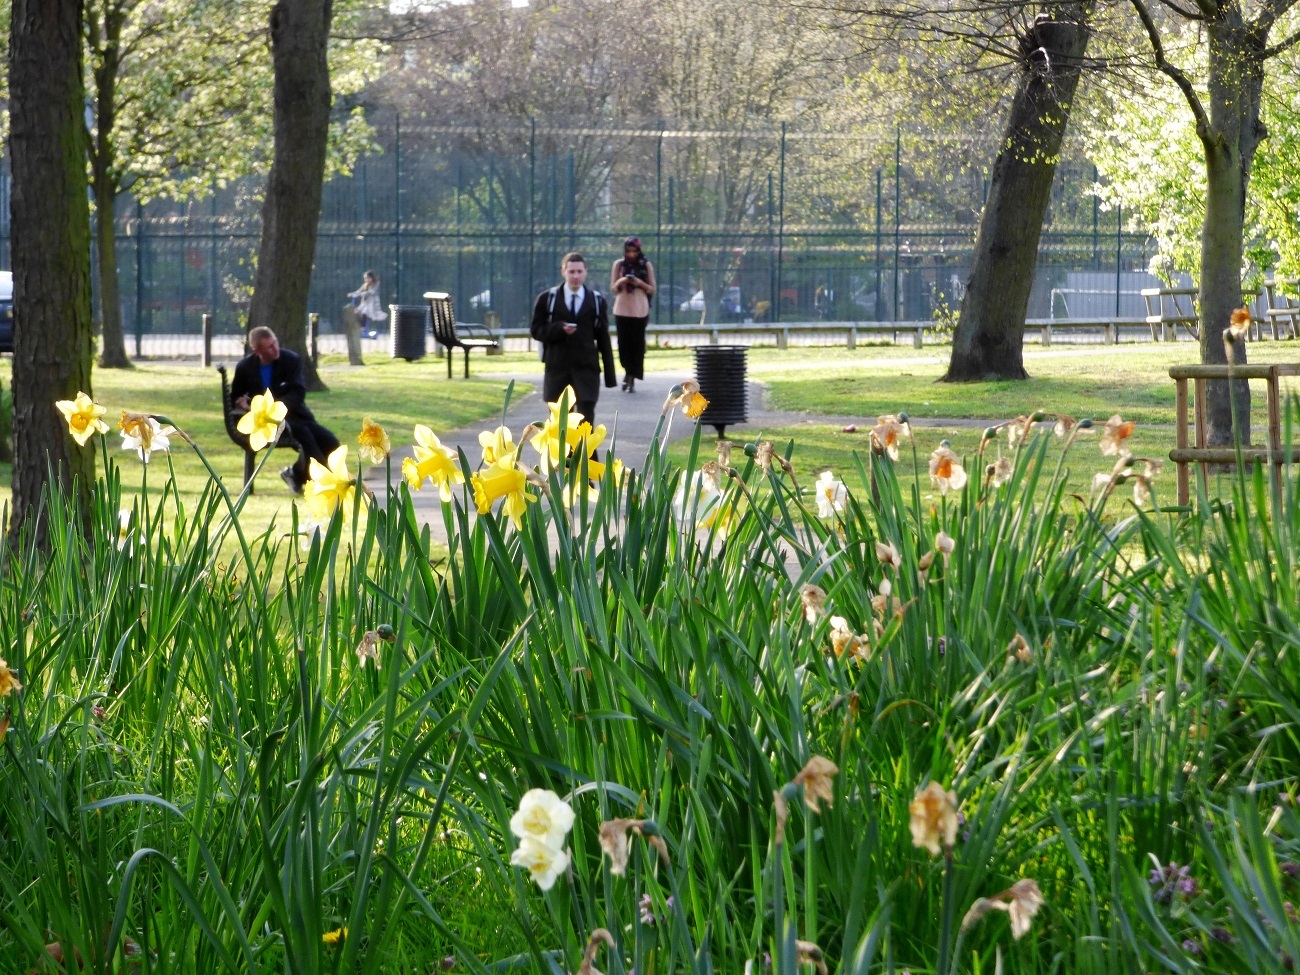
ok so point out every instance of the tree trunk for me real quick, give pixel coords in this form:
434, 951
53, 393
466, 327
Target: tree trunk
299, 39
989, 340
1236, 78
113, 353
50, 249
106, 35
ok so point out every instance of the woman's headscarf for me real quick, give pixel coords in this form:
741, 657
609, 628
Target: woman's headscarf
637, 265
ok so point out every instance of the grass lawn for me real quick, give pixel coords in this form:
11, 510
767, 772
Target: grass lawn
395, 394
1131, 380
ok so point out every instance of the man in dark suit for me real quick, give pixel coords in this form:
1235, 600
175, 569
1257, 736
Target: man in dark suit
280, 371
571, 322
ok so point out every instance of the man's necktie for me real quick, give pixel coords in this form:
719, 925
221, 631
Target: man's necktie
573, 305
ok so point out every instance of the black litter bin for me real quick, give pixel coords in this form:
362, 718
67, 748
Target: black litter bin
407, 327
720, 371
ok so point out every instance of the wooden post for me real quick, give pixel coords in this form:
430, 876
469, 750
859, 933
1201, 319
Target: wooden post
205, 360
1275, 432
1047, 335
313, 334
1180, 412
1198, 386
916, 337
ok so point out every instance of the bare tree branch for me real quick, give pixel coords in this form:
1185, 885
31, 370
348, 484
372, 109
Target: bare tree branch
1176, 74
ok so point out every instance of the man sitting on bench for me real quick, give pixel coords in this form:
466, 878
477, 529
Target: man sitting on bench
280, 371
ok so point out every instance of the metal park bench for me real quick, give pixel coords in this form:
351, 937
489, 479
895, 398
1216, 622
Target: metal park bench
232, 429
452, 334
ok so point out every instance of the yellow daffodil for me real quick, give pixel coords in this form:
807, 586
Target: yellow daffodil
946, 470
588, 441
816, 781
335, 936
1113, 436
934, 819
330, 486
261, 424
560, 424
497, 445
373, 443
8, 680
83, 416
432, 461
144, 434
888, 434
505, 480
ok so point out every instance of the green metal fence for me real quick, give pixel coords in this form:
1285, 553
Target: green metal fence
772, 225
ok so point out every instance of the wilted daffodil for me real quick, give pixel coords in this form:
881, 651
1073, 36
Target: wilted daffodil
888, 434
497, 445
946, 470
613, 838
144, 434
815, 777
373, 443
1117, 430
330, 486
504, 480
1021, 901
83, 416
261, 424
432, 461
934, 819
813, 599
999, 471
687, 395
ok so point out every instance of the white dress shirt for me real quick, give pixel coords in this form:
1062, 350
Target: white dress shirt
573, 299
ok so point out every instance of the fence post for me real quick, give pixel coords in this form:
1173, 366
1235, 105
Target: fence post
898, 156
313, 336
139, 278
780, 231
397, 204
206, 359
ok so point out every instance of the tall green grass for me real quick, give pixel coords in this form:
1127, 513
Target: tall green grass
199, 774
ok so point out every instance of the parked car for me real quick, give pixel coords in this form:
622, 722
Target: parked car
7, 311
672, 296
729, 306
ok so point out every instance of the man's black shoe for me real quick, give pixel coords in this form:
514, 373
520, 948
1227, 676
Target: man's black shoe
287, 475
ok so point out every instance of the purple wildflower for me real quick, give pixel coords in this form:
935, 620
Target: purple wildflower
1172, 879
1191, 947
1223, 936
647, 910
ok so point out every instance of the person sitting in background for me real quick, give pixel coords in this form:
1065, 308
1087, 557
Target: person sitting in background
366, 301
279, 371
